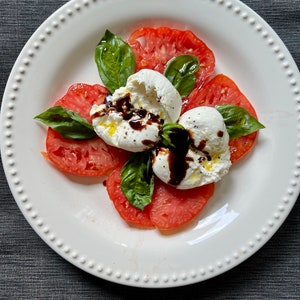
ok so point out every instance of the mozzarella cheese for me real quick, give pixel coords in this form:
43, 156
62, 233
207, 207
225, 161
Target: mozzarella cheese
131, 118
207, 158
154, 92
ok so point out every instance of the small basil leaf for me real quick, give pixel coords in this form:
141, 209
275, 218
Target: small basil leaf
138, 180
173, 133
67, 122
238, 121
181, 71
115, 61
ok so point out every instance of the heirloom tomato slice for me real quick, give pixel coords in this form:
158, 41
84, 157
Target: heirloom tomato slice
91, 157
80, 97
154, 47
170, 208
128, 212
222, 90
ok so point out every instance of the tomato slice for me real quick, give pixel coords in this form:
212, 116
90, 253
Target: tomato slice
154, 47
128, 212
82, 157
170, 208
222, 90
80, 97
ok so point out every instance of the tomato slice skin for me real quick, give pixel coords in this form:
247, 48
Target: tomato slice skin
154, 47
222, 90
170, 208
128, 212
90, 157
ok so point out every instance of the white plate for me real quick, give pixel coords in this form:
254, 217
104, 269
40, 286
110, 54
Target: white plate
75, 217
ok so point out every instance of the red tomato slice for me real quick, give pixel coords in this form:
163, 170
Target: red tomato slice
128, 212
170, 208
222, 90
80, 97
86, 157
154, 47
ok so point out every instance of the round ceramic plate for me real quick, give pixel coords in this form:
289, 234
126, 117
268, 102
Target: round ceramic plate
74, 215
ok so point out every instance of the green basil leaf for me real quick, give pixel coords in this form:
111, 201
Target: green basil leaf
138, 180
67, 122
238, 121
115, 61
181, 71
172, 134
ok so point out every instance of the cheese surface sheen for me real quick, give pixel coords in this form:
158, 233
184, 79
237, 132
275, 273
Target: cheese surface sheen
131, 118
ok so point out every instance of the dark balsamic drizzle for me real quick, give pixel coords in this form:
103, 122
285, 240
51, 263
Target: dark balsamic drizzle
149, 143
178, 164
202, 159
138, 119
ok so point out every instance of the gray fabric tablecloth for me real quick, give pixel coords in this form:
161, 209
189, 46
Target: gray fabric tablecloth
29, 269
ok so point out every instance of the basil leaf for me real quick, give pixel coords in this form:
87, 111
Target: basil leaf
238, 121
115, 61
138, 180
181, 71
172, 134
67, 122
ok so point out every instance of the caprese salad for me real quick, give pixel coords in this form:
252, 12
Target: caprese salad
161, 126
